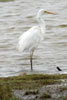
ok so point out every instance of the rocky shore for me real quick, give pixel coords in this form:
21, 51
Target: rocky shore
34, 87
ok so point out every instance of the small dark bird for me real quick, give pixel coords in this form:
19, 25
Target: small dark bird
59, 69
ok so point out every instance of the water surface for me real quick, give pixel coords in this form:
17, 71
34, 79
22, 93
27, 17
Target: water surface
18, 16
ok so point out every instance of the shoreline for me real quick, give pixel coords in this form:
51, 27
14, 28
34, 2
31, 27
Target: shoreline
34, 87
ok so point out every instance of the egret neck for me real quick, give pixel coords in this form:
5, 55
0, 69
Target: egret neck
41, 23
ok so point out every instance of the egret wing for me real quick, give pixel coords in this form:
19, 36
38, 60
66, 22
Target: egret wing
30, 39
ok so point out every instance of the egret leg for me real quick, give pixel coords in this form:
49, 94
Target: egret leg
31, 55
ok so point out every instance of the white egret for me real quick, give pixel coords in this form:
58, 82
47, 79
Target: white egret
30, 39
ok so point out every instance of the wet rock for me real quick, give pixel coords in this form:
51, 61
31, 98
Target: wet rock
48, 92
30, 92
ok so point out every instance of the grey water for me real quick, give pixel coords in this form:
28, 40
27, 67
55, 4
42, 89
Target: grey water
18, 16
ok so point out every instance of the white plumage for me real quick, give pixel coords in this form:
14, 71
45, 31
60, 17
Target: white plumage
30, 39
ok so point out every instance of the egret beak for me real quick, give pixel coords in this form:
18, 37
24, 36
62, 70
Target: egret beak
50, 12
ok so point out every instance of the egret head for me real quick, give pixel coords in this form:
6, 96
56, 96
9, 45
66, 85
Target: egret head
43, 11
40, 12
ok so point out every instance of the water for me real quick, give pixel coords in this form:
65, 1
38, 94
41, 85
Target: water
19, 15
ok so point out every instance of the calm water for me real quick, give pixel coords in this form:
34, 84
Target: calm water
18, 16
